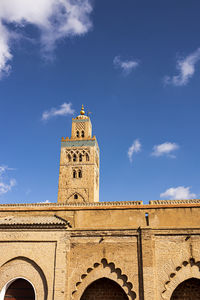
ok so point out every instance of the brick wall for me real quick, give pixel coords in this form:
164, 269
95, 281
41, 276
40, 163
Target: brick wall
104, 289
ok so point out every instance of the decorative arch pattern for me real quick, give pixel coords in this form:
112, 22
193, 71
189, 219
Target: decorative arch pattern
188, 269
100, 270
22, 267
75, 196
82, 154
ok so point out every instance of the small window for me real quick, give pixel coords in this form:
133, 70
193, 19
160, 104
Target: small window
80, 157
87, 157
74, 174
77, 133
80, 174
147, 219
75, 196
82, 133
69, 157
74, 157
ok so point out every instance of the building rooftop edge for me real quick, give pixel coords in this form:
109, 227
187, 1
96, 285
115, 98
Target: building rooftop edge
101, 205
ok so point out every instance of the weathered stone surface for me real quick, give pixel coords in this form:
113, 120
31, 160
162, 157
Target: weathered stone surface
80, 249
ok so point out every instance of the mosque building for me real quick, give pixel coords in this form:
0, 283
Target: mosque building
82, 249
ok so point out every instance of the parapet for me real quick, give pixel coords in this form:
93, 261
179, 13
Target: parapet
163, 202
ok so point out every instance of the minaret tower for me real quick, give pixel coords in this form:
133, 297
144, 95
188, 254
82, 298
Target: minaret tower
79, 164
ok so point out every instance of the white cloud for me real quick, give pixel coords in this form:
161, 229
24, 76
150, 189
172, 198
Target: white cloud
55, 19
3, 169
4, 187
178, 193
46, 201
134, 148
186, 69
64, 110
165, 149
127, 66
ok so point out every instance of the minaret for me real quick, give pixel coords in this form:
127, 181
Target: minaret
79, 164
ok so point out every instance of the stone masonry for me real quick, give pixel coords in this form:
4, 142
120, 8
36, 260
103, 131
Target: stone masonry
79, 248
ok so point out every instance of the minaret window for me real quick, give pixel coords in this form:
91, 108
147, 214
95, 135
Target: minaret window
79, 163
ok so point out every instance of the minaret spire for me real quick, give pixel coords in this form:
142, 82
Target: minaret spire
79, 164
82, 112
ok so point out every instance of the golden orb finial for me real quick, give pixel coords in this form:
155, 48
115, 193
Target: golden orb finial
82, 112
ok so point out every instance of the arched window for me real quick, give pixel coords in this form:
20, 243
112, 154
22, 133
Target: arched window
74, 173
87, 157
20, 289
77, 133
80, 174
80, 157
82, 133
104, 288
75, 196
74, 157
69, 157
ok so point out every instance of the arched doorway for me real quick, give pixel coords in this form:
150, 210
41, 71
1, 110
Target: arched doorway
19, 289
104, 289
187, 290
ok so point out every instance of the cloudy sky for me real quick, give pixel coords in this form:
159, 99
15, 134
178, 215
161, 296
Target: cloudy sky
135, 64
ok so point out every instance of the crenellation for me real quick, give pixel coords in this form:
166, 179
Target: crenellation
79, 164
79, 249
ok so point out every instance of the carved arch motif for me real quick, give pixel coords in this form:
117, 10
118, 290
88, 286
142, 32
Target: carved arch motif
100, 270
22, 267
188, 269
75, 196
84, 153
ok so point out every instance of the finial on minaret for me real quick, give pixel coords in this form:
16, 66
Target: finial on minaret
82, 112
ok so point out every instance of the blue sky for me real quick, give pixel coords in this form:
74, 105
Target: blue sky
135, 64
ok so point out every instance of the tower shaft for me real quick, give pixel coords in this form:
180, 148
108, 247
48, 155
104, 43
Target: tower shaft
79, 164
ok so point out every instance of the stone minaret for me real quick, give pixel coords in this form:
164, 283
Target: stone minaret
79, 164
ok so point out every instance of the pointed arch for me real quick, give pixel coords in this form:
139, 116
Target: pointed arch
27, 269
76, 197
18, 287
188, 269
188, 289
104, 288
101, 270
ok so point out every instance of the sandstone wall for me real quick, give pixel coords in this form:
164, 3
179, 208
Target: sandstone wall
147, 250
